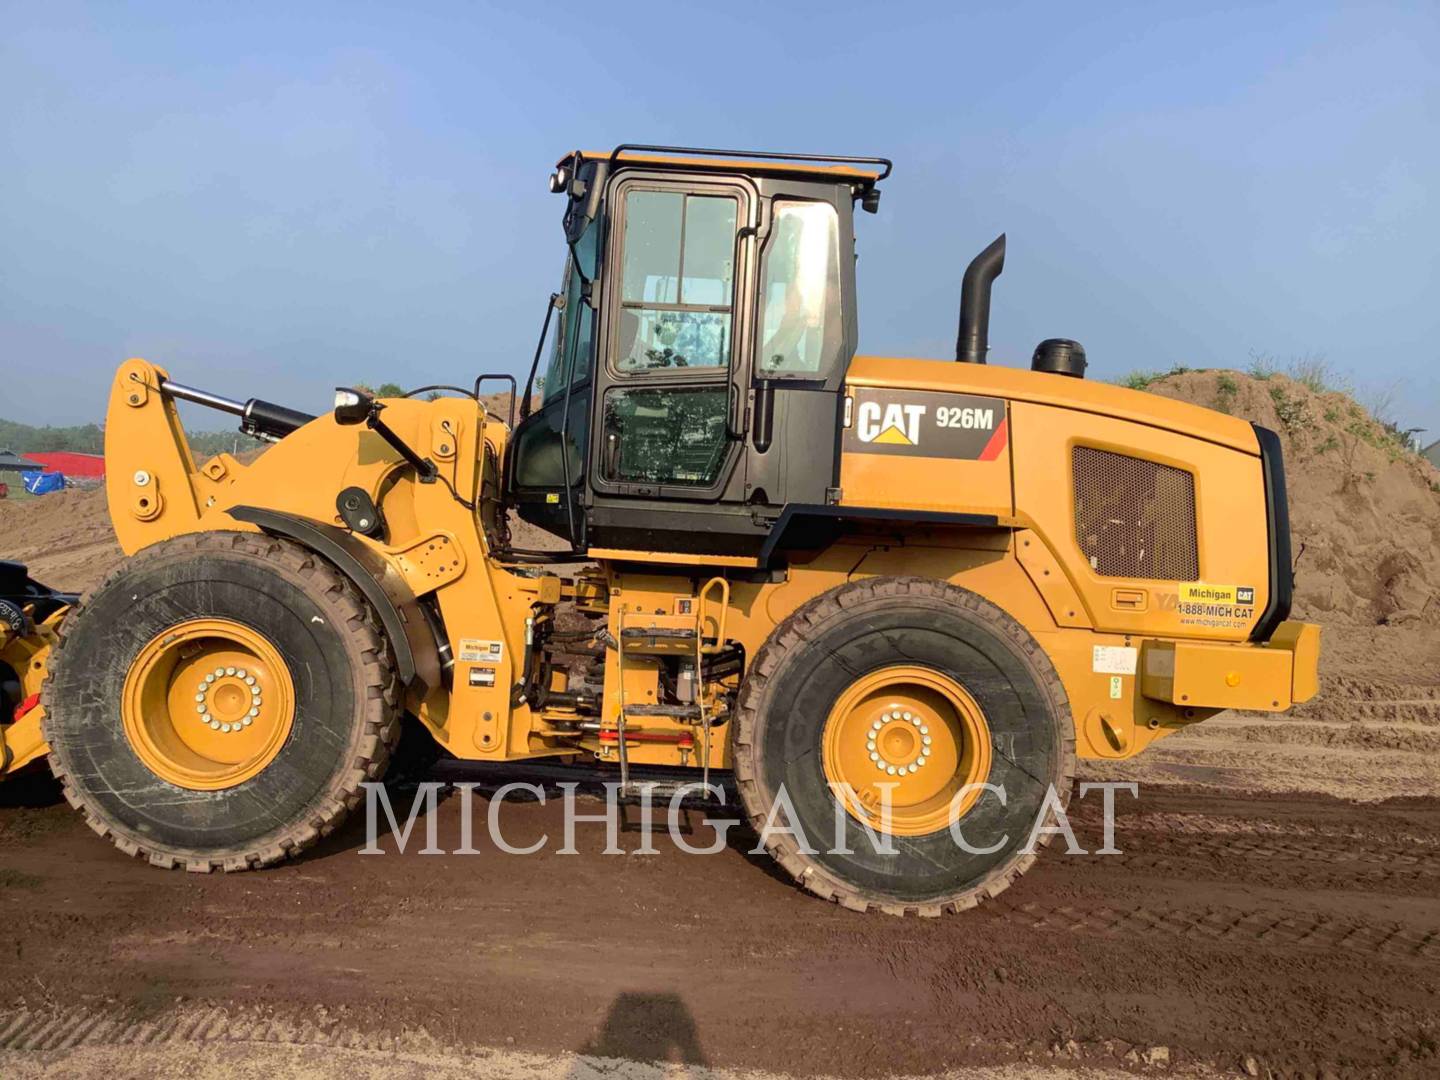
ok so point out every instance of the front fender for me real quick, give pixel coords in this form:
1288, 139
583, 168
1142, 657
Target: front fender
417, 653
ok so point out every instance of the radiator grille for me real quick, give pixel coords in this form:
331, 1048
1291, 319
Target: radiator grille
1135, 518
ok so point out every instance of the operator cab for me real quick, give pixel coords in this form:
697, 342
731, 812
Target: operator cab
702, 333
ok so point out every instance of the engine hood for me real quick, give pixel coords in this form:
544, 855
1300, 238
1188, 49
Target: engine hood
1017, 384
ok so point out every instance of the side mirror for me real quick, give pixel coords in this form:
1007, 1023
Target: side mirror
352, 406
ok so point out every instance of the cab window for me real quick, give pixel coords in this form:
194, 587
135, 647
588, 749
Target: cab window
570, 355
800, 295
678, 287
672, 436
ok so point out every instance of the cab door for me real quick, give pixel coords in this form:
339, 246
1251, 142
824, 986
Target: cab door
669, 402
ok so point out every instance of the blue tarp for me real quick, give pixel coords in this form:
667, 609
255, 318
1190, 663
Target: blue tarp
43, 483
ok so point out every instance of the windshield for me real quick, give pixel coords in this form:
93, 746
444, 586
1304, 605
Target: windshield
570, 357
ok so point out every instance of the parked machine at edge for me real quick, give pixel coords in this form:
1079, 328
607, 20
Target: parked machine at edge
873, 591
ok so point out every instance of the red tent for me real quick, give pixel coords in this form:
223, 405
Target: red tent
91, 465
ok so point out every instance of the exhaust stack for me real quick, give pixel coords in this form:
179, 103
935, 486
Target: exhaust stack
974, 340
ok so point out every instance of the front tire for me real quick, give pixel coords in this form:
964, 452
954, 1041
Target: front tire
922, 686
217, 703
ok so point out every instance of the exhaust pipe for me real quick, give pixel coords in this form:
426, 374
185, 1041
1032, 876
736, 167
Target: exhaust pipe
974, 340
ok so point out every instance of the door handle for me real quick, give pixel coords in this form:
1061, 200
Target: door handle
612, 455
1129, 599
764, 414
732, 401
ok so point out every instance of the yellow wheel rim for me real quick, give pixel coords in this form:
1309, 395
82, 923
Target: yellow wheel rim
208, 704
912, 728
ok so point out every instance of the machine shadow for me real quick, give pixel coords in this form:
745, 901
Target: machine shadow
647, 1027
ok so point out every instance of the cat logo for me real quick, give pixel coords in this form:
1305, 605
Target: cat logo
892, 424
924, 423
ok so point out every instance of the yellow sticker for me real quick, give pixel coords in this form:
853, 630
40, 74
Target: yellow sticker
1227, 606
552, 498
1199, 593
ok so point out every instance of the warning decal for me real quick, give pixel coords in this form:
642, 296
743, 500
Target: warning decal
925, 424
1114, 659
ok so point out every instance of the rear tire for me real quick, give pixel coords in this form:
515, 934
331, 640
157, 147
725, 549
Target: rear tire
340, 702
863, 656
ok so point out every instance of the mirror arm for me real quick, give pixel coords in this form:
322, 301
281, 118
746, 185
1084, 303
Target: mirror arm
539, 349
426, 468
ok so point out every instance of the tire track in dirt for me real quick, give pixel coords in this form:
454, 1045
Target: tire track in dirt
1171, 945
1314, 863
1235, 926
26, 1029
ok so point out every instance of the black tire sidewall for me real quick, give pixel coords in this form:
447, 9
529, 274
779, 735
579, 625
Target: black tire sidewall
303, 622
1029, 750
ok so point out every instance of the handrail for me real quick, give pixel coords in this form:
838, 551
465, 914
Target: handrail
887, 166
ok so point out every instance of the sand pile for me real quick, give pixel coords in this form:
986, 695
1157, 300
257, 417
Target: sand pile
1365, 507
1367, 511
64, 538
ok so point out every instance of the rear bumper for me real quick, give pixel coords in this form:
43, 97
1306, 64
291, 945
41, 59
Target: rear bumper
1258, 677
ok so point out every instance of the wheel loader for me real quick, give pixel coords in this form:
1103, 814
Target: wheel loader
895, 598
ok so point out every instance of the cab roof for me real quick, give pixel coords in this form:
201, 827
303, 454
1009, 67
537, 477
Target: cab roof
865, 170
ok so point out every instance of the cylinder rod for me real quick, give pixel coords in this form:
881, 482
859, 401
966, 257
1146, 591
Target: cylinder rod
201, 397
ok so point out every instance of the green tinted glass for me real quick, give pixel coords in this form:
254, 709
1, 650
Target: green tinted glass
665, 436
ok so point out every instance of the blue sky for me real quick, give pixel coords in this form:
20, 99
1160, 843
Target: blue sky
270, 199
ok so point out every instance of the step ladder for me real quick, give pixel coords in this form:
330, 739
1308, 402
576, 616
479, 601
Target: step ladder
694, 635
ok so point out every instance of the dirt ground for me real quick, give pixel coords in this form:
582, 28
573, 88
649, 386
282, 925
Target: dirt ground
1274, 910
1302, 933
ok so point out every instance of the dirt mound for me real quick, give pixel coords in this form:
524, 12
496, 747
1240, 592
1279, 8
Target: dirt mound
1364, 506
68, 543
64, 538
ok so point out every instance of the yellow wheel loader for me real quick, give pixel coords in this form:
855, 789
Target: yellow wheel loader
892, 599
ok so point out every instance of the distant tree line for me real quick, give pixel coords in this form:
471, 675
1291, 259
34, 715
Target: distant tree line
90, 439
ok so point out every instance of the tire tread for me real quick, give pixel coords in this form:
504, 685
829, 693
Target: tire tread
802, 624
373, 746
